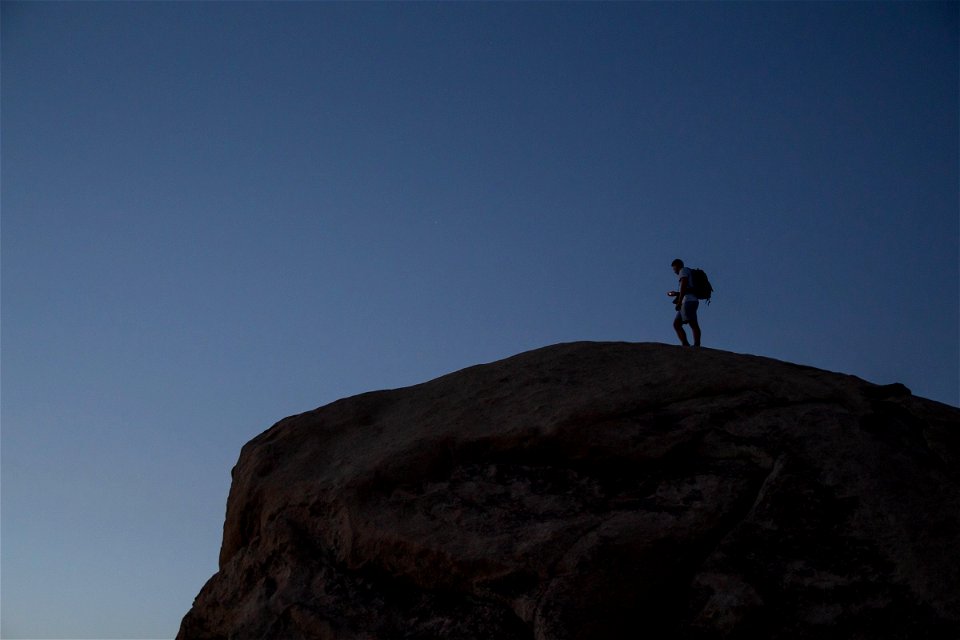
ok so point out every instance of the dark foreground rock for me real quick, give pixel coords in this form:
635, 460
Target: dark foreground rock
598, 491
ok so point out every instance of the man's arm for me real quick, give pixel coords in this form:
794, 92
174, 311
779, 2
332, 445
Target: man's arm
684, 288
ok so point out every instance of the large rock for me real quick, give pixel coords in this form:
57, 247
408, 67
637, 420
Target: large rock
598, 491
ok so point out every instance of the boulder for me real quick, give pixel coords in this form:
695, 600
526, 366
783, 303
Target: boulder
598, 491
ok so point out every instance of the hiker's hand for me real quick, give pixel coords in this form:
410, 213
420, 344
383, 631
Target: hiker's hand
672, 294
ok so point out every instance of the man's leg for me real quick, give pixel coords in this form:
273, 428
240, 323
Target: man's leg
690, 317
678, 327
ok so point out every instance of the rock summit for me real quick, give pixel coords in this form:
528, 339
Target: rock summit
598, 491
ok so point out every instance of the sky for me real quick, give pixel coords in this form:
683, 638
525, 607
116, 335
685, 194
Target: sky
216, 215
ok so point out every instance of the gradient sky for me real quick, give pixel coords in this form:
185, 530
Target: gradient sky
215, 215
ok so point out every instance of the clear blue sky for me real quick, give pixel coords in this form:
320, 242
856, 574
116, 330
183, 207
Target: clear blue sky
215, 215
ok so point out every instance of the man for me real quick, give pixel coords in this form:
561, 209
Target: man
687, 305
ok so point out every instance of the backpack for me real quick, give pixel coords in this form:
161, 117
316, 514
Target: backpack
700, 284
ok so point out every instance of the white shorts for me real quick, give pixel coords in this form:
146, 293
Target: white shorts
688, 312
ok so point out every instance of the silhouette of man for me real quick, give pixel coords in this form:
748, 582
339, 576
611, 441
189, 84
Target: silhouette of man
686, 304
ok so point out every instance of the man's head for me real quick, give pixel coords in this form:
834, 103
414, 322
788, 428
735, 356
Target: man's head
677, 265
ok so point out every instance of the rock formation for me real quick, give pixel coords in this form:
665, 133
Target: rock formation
598, 491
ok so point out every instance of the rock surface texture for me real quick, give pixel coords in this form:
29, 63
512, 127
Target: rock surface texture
598, 491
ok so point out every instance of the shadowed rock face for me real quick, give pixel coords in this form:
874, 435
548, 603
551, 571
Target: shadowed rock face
598, 491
